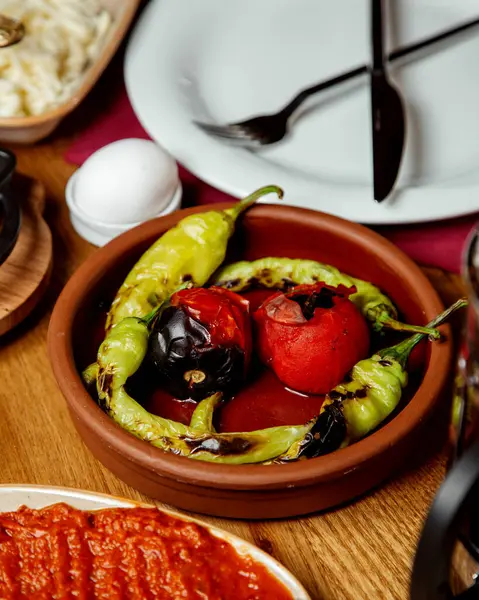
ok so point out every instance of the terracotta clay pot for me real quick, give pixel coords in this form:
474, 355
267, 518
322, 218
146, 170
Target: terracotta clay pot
250, 491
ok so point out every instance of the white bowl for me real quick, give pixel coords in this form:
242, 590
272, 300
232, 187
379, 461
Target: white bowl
38, 496
27, 130
99, 233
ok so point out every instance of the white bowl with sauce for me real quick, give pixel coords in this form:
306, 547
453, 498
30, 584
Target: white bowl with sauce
39, 496
30, 129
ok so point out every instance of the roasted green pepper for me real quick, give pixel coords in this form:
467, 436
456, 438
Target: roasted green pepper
357, 406
120, 356
284, 273
190, 251
350, 411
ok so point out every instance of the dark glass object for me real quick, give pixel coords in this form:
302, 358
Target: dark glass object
446, 565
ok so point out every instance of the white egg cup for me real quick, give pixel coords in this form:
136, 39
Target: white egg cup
100, 233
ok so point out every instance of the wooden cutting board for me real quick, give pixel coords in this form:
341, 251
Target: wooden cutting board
25, 274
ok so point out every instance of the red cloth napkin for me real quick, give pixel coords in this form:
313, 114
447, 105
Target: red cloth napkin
433, 244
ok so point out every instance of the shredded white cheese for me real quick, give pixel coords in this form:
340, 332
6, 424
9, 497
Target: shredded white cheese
62, 38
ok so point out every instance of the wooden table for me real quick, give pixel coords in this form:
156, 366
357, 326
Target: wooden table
360, 551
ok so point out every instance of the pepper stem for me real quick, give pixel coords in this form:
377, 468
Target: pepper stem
400, 352
90, 374
385, 320
244, 204
151, 316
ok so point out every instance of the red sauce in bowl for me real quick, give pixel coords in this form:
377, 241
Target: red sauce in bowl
263, 402
123, 553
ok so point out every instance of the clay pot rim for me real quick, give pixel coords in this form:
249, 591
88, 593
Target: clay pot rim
241, 477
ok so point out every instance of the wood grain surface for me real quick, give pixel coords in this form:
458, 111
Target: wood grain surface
360, 551
23, 281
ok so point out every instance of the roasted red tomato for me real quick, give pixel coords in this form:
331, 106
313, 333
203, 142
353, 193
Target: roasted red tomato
202, 343
312, 336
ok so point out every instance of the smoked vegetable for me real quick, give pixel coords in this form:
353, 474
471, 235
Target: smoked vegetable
189, 252
364, 400
118, 359
351, 410
285, 273
311, 337
202, 343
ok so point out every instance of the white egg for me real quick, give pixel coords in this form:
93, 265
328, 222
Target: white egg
126, 182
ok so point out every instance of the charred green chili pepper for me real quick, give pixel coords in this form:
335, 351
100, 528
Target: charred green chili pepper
120, 356
190, 251
357, 406
350, 411
284, 273
202, 418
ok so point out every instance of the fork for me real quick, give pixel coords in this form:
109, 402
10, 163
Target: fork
269, 129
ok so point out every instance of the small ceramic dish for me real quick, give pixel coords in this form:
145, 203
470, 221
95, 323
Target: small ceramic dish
38, 496
26, 130
99, 233
251, 491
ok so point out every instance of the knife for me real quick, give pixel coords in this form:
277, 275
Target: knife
387, 112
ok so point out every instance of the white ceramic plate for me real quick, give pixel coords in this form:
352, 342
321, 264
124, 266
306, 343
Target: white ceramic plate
12, 497
225, 61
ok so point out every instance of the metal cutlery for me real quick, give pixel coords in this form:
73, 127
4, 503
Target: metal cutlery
387, 114
269, 129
